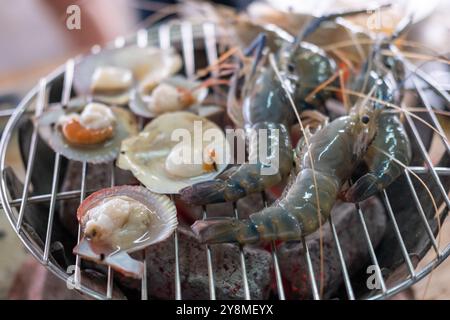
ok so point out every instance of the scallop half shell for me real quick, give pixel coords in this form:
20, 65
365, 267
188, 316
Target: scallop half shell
99, 153
158, 204
162, 227
138, 102
145, 63
145, 154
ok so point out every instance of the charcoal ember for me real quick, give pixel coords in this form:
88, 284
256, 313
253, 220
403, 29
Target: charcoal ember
350, 233
194, 270
98, 176
34, 282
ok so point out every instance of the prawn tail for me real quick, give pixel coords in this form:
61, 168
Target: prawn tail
225, 230
270, 224
365, 187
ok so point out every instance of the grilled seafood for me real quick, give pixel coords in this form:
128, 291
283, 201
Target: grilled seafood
265, 107
109, 76
120, 220
156, 156
85, 131
391, 146
94, 125
172, 94
326, 164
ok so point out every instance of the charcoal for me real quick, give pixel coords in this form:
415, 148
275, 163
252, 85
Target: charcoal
34, 282
194, 271
98, 176
350, 233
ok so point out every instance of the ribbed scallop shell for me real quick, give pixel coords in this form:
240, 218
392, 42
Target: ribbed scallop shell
139, 106
145, 154
99, 153
160, 205
161, 63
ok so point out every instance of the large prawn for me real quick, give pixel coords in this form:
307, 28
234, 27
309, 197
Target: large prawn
266, 106
327, 161
391, 146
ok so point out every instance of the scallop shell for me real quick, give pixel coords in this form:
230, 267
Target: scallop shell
143, 62
139, 106
161, 205
118, 259
145, 154
99, 153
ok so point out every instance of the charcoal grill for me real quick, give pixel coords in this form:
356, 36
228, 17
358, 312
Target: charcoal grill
400, 262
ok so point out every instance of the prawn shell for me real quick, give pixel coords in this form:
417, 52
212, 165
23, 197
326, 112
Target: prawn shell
161, 205
160, 63
99, 153
145, 154
139, 106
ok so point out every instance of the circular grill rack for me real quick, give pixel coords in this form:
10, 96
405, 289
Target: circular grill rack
190, 39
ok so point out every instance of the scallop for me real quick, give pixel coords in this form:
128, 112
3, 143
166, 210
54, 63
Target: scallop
50, 131
120, 220
106, 75
161, 98
174, 151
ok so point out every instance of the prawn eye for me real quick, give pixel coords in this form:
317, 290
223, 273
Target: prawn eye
291, 67
365, 119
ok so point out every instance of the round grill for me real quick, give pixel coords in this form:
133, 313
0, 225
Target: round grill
411, 230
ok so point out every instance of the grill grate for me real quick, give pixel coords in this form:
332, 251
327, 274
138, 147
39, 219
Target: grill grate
163, 36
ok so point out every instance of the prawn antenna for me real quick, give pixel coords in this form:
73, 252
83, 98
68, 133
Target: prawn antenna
256, 48
402, 27
315, 23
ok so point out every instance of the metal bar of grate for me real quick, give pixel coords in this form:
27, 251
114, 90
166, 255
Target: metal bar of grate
212, 288
164, 36
212, 56
344, 269
398, 234
276, 266
309, 266
144, 293
41, 102
67, 89
187, 42
142, 38
72, 194
177, 267
110, 279
209, 31
242, 258
82, 194
372, 254
110, 283
165, 43
421, 213
427, 158
51, 213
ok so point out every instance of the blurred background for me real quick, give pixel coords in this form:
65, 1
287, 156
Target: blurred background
35, 39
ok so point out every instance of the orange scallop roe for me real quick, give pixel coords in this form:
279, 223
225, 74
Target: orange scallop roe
75, 133
186, 97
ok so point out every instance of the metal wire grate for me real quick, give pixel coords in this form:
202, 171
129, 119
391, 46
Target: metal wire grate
184, 33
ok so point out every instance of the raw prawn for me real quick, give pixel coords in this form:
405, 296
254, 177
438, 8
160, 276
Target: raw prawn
326, 164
